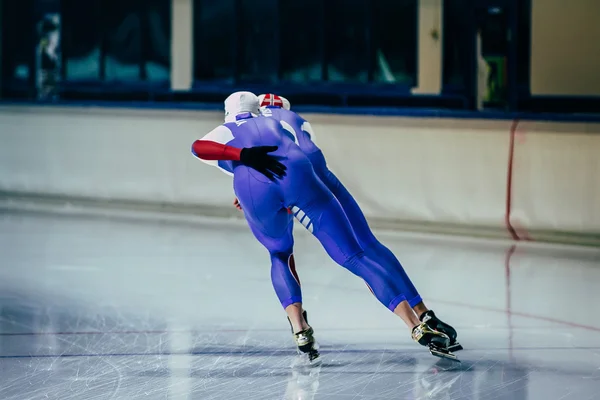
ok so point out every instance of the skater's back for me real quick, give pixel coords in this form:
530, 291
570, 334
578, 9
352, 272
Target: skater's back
248, 130
301, 128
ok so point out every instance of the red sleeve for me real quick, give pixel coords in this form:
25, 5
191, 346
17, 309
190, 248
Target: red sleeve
209, 150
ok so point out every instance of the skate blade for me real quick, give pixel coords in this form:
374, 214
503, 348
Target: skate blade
315, 362
455, 347
307, 360
443, 354
314, 358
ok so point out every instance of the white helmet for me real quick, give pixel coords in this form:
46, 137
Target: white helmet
239, 103
271, 99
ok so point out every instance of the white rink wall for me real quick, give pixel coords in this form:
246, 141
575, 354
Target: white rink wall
526, 180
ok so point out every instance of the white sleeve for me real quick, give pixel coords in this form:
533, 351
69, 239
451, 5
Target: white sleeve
221, 134
307, 127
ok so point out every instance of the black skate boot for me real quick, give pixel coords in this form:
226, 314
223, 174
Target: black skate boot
437, 342
434, 323
306, 342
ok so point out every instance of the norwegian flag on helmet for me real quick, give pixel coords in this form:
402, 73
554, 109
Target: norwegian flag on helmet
271, 100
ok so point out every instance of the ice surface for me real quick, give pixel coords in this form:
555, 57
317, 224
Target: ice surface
96, 308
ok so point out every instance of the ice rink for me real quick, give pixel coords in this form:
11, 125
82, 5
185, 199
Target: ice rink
124, 308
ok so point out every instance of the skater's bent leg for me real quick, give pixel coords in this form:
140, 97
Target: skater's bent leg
283, 268
272, 226
355, 216
294, 312
330, 226
404, 311
420, 308
287, 285
372, 247
367, 240
376, 251
285, 279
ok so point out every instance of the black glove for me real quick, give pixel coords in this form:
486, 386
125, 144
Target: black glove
257, 158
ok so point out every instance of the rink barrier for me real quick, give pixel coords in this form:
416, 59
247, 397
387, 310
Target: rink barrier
523, 180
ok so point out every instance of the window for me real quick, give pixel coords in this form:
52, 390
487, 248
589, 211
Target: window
372, 41
301, 49
523, 45
347, 41
82, 39
215, 40
31, 49
494, 31
459, 42
280, 41
258, 44
114, 40
18, 40
395, 41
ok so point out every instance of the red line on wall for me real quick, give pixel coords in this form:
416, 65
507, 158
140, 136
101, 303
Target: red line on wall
509, 176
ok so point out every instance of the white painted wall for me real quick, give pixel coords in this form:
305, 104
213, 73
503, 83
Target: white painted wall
437, 174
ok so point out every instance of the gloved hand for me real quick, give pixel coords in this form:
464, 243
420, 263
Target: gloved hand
237, 204
257, 158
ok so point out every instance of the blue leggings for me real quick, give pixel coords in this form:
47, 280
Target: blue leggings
265, 202
373, 248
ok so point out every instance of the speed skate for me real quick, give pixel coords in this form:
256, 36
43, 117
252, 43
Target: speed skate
437, 342
308, 348
442, 353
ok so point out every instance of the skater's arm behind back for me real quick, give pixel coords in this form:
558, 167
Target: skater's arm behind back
213, 146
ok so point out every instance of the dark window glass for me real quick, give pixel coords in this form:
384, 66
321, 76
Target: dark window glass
258, 44
345, 41
523, 43
494, 32
123, 28
214, 40
365, 40
157, 39
347, 35
493, 29
18, 39
459, 41
82, 38
301, 35
395, 41
117, 40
